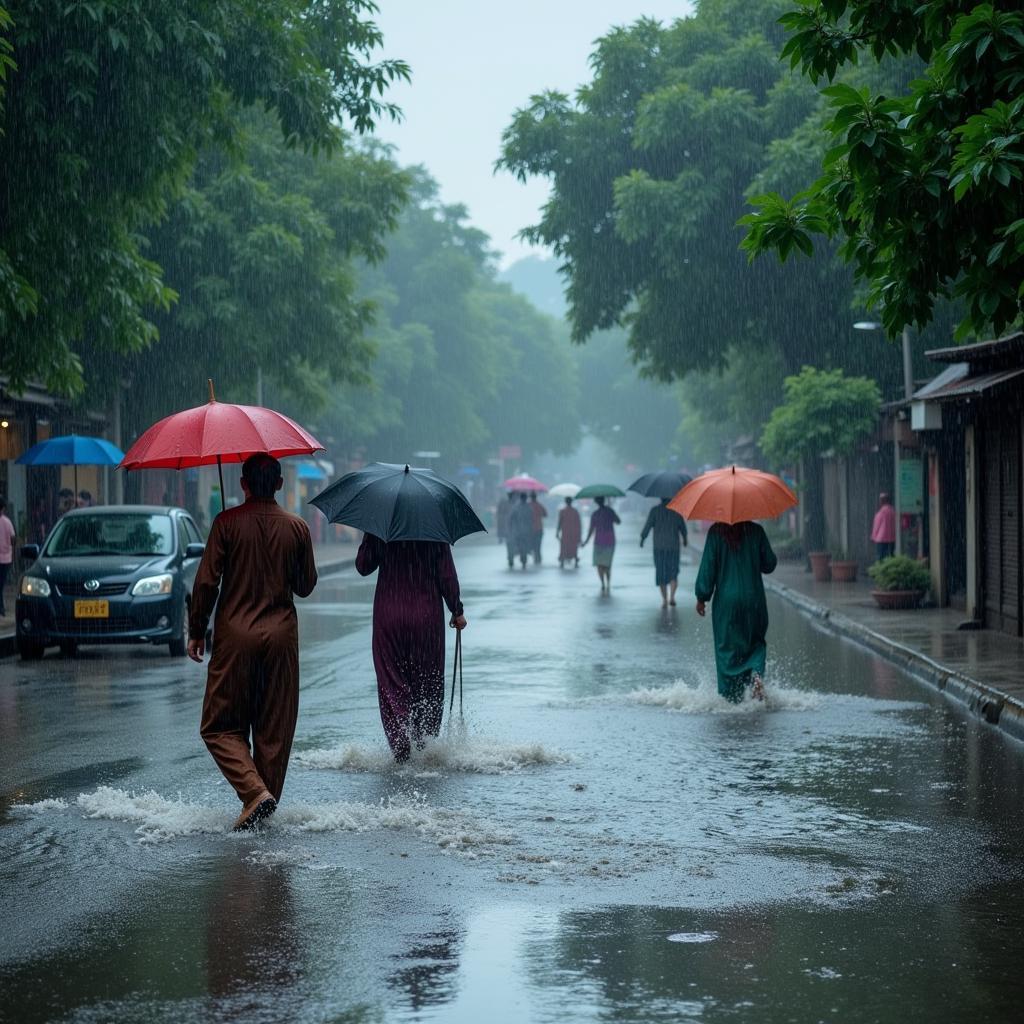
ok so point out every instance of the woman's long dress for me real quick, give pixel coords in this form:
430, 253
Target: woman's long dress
730, 577
414, 578
570, 530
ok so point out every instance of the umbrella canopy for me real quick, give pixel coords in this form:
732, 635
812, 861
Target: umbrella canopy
660, 485
564, 490
733, 495
72, 450
523, 482
215, 433
395, 502
600, 491
218, 432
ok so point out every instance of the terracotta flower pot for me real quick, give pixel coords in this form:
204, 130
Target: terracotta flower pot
820, 565
897, 599
844, 572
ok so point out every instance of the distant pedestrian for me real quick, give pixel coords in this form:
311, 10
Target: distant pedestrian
520, 532
414, 578
735, 556
602, 529
6, 550
569, 532
85, 499
668, 526
883, 529
39, 521
258, 557
65, 501
539, 513
501, 514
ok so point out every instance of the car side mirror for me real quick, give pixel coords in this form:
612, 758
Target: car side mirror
30, 552
194, 550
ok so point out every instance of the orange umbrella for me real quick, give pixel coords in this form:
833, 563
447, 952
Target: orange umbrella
733, 495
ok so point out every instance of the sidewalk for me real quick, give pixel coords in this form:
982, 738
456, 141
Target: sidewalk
982, 668
330, 558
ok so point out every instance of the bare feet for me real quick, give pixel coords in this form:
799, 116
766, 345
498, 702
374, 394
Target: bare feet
254, 812
757, 690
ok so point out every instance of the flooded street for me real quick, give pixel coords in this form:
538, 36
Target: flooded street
600, 838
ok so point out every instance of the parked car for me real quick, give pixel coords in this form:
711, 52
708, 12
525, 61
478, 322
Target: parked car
110, 575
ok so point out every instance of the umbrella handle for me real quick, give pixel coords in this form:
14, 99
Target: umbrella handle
457, 668
220, 470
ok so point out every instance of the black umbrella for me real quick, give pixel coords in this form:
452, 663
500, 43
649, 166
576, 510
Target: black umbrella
660, 485
398, 503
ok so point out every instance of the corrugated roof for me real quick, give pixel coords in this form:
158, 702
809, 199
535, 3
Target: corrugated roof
959, 385
979, 350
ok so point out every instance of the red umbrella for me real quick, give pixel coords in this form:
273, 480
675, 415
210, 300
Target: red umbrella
523, 482
216, 433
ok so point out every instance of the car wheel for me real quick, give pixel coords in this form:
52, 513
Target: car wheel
68, 648
179, 645
29, 651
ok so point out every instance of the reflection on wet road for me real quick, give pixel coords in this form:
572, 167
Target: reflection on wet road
601, 838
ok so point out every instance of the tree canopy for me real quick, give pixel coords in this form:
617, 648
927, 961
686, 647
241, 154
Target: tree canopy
462, 364
823, 411
924, 185
650, 165
107, 106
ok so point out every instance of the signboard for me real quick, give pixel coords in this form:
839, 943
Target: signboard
911, 486
510, 451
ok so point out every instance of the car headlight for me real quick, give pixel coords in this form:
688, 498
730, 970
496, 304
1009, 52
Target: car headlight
33, 586
153, 585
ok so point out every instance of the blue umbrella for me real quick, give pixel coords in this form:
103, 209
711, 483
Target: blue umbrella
72, 450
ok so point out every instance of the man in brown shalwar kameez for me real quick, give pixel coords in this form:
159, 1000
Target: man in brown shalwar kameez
258, 557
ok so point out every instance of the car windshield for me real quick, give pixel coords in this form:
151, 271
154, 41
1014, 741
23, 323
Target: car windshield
105, 534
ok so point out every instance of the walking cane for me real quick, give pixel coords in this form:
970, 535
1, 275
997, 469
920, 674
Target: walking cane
457, 668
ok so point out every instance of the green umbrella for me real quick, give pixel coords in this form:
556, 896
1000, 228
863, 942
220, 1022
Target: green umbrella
601, 491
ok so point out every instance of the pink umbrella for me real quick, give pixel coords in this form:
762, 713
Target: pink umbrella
523, 482
216, 433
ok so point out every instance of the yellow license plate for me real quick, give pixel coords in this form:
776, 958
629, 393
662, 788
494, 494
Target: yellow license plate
92, 609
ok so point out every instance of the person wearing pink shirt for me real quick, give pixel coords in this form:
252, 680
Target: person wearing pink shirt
6, 550
883, 529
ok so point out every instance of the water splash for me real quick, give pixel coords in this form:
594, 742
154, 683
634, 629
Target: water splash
39, 807
160, 819
456, 751
703, 698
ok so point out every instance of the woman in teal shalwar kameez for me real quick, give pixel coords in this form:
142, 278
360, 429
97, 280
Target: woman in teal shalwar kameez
730, 577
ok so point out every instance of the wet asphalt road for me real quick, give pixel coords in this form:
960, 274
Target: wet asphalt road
600, 839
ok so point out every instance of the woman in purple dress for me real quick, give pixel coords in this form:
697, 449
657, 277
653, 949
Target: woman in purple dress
408, 634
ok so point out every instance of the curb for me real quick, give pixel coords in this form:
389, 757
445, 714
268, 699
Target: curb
987, 702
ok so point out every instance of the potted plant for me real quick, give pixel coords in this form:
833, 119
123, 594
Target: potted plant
844, 568
821, 565
900, 580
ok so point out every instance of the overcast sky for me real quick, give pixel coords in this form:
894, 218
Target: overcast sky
473, 63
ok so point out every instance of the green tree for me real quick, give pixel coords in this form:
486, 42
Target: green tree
923, 187
648, 169
462, 364
261, 249
107, 106
824, 412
